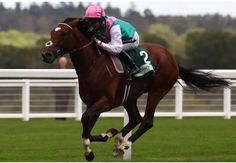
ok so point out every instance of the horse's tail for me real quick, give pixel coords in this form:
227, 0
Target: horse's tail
202, 80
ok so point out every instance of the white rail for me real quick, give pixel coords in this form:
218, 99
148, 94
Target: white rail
67, 78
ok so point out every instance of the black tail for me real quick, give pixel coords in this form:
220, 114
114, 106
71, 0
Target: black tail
202, 80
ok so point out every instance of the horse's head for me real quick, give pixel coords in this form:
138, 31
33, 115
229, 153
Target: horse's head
65, 38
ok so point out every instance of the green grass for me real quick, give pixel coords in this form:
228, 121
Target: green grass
190, 139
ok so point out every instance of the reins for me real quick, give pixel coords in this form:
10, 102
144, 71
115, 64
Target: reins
83, 47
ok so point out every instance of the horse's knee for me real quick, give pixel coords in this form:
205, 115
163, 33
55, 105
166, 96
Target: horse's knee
85, 117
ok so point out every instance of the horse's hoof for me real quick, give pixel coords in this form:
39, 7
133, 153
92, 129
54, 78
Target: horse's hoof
89, 156
118, 152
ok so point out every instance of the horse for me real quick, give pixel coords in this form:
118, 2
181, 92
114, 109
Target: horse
102, 89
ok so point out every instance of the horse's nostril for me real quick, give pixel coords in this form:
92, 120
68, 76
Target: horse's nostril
48, 54
48, 57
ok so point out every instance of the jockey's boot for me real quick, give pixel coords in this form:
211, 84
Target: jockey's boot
124, 56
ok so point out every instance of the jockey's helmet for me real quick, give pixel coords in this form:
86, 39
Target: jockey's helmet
94, 11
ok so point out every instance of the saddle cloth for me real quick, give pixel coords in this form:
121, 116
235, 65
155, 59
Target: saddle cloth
140, 57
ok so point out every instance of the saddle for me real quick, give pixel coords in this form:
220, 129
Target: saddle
142, 59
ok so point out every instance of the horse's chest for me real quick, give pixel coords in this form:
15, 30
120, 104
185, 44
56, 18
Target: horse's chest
89, 92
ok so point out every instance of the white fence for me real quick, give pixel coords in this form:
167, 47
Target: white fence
67, 78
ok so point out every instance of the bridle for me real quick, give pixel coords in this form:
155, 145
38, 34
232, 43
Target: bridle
80, 48
83, 47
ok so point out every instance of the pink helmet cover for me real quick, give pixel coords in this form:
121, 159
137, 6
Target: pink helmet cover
94, 11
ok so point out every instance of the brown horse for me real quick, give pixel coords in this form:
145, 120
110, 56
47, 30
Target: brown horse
101, 88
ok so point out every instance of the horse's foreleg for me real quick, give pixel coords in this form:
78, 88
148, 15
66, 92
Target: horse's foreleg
97, 137
88, 120
104, 136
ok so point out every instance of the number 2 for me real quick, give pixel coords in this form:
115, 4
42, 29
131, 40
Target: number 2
145, 57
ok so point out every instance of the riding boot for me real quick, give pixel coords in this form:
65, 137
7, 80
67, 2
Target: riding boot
124, 56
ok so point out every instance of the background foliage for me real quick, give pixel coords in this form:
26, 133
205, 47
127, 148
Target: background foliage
200, 41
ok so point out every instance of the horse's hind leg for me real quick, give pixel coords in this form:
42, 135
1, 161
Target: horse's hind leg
154, 98
134, 119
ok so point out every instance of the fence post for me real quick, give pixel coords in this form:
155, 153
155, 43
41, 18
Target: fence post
127, 155
179, 101
227, 103
78, 104
26, 100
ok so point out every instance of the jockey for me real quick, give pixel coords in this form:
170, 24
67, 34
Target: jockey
113, 35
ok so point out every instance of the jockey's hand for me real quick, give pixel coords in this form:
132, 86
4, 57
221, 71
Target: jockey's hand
97, 41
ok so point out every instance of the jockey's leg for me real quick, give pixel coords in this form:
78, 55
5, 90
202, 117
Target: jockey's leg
124, 56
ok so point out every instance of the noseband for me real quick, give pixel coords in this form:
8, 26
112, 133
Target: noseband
66, 25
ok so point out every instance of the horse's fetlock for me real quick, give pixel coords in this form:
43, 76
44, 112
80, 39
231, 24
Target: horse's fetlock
119, 137
86, 142
118, 140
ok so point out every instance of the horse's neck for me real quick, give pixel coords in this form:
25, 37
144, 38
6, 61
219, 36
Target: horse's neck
84, 61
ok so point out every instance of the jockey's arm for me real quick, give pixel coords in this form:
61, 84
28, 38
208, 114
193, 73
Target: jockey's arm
115, 45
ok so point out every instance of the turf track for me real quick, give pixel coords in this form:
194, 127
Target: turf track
190, 139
